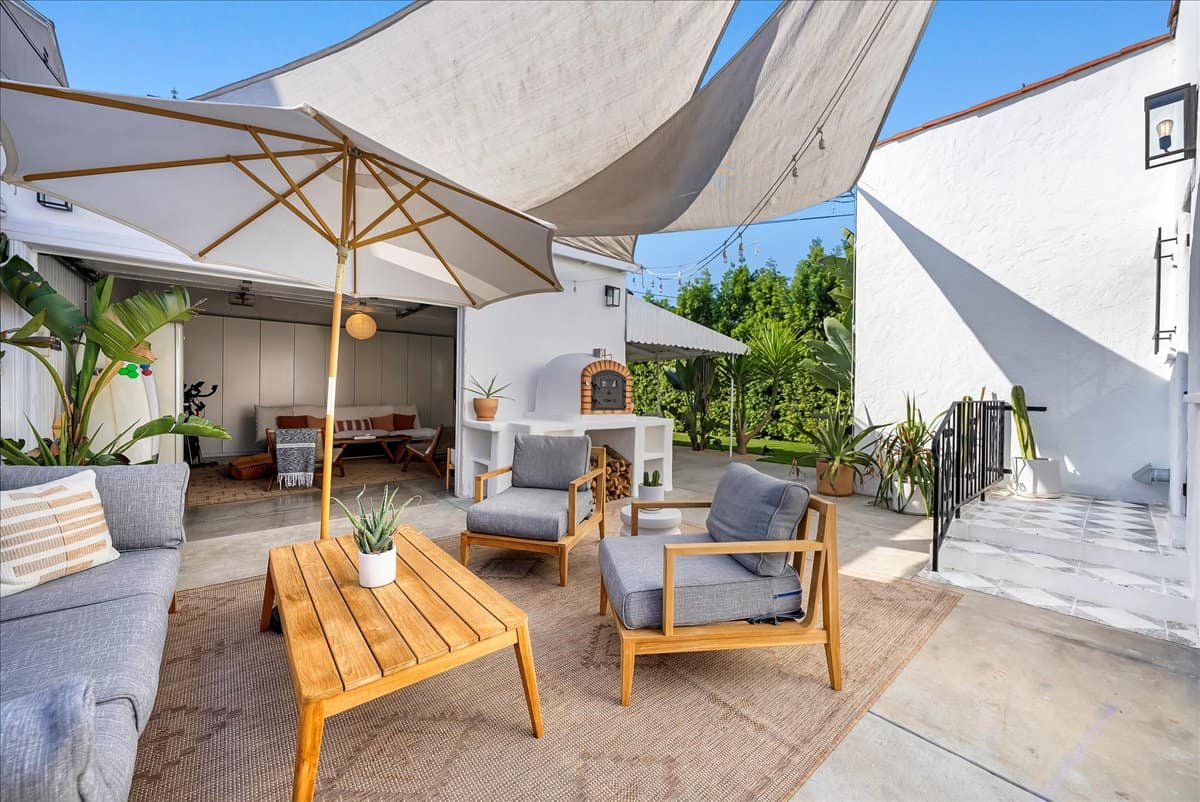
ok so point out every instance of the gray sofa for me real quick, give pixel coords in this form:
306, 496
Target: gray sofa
79, 656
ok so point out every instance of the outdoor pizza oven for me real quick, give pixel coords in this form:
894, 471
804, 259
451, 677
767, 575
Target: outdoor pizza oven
582, 384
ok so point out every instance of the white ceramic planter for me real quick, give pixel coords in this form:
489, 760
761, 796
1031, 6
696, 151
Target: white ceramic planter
375, 570
912, 497
1036, 478
651, 494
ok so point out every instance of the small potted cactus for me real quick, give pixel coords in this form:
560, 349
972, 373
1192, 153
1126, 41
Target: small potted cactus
651, 488
1033, 476
374, 530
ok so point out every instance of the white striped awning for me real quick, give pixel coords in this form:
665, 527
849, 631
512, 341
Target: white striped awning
653, 333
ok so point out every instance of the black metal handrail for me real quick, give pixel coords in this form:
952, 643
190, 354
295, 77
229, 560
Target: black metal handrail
968, 459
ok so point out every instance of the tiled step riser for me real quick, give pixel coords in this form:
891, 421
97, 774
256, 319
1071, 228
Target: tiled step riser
1135, 600
1169, 565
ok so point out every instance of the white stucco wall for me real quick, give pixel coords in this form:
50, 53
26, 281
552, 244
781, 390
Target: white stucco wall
515, 339
1015, 246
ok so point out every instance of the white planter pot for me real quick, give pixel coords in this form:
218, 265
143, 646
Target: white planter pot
1036, 478
651, 494
907, 499
375, 570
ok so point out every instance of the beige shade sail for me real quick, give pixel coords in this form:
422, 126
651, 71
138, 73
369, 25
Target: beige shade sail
587, 114
290, 192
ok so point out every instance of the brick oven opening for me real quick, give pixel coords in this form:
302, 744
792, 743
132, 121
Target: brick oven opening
606, 386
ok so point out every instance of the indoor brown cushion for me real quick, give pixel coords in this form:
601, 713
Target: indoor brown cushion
314, 423
383, 422
292, 422
403, 421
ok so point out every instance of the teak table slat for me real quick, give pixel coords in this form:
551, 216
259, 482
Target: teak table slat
347, 645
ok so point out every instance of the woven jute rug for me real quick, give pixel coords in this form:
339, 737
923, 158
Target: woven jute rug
748, 725
209, 484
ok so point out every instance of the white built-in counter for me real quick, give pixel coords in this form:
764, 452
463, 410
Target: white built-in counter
642, 439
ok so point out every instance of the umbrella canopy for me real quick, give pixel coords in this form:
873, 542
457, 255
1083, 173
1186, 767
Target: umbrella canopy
290, 192
263, 188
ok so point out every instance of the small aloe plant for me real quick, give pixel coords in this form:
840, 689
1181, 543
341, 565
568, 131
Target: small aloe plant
652, 479
375, 528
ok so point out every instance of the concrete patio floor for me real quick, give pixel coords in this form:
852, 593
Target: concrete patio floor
1005, 702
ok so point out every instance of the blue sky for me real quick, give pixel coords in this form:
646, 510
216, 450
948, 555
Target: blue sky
972, 50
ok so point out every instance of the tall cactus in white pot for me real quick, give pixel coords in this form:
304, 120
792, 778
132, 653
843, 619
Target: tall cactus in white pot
1033, 476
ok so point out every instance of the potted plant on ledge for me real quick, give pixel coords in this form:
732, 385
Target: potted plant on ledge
374, 534
905, 461
489, 398
839, 453
651, 488
1033, 476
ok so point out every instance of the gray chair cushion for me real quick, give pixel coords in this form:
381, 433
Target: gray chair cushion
145, 571
48, 738
415, 434
749, 505
118, 644
143, 504
550, 463
527, 512
708, 588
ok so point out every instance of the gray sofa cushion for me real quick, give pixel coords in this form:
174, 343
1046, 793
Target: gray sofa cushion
145, 571
749, 505
117, 644
709, 588
143, 504
527, 512
48, 738
551, 463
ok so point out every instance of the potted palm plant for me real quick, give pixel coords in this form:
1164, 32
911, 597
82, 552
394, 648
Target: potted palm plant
651, 488
488, 400
374, 534
904, 458
839, 453
116, 332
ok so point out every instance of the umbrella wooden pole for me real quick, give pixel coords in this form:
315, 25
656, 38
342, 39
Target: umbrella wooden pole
335, 330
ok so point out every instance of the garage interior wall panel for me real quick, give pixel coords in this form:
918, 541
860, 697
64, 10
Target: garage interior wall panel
279, 364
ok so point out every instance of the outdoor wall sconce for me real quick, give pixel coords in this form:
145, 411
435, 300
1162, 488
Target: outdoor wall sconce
1171, 126
612, 295
360, 326
51, 202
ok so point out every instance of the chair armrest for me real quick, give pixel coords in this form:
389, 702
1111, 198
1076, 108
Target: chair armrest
678, 505
483, 477
573, 496
673, 550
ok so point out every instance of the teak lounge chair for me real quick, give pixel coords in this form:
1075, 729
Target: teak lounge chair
551, 505
731, 587
425, 451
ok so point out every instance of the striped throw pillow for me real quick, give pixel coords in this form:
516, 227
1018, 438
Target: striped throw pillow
352, 425
51, 530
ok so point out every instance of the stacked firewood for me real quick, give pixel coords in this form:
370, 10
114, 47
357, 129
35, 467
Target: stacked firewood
619, 482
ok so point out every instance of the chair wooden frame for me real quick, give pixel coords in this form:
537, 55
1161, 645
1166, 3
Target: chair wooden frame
576, 531
822, 599
424, 450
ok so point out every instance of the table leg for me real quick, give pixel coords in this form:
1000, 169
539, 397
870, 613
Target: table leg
308, 751
268, 602
529, 678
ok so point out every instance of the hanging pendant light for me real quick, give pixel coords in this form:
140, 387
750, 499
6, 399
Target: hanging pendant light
360, 326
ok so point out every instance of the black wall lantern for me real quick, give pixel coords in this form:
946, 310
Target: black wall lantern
612, 295
1171, 126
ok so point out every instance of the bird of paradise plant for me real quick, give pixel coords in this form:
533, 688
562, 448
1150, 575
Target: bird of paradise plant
118, 331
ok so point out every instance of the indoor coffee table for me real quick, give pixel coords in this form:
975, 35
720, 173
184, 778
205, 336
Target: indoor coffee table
347, 645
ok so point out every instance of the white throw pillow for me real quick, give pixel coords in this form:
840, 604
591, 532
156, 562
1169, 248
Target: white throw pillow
51, 530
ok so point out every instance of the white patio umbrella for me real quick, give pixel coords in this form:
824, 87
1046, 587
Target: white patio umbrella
289, 191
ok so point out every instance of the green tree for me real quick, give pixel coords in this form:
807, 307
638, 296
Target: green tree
775, 353
697, 300
694, 379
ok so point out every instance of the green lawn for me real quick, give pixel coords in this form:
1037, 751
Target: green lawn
781, 451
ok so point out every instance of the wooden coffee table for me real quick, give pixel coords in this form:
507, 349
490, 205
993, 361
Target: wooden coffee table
347, 645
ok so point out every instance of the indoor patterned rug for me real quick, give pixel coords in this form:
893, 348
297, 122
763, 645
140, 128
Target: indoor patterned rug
210, 485
748, 725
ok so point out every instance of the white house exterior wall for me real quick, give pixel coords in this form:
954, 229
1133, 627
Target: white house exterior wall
1015, 246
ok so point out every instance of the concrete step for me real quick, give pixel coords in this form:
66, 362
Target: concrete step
1130, 550
1068, 581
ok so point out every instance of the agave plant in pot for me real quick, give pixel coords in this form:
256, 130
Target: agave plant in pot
374, 533
840, 453
904, 458
488, 400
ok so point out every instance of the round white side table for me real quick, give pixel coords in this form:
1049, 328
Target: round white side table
652, 522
